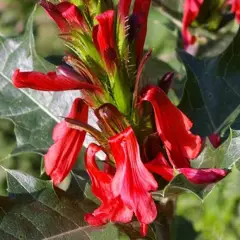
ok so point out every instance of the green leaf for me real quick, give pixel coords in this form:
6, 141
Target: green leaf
212, 93
34, 113
173, 5
180, 184
225, 156
36, 210
111, 233
159, 29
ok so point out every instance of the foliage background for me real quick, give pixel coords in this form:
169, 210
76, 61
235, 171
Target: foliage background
219, 216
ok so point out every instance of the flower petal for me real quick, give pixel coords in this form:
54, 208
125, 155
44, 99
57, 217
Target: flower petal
132, 180
112, 208
103, 37
236, 8
62, 155
141, 10
54, 13
215, 140
191, 9
173, 128
48, 82
197, 176
72, 14
123, 8
204, 176
65, 14
161, 167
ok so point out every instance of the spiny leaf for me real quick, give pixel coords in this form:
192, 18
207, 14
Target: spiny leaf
34, 113
225, 156
212, 93
180, 184
37, 210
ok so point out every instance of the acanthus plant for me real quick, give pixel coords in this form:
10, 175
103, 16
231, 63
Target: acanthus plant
141, 132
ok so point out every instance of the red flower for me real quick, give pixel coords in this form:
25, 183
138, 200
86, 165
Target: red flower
49, 82
137, 22
141, 10
215, 140
123, 8
191, 9
198, 176
65, 14
68, 142
112, 208
180, 144
173, 128
104, 38
132, 181
236, 8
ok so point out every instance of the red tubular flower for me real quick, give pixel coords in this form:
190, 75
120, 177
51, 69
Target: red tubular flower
65, 14
173, 128
112, 208
141, 10
104, 38
68, 142
49, 82
198, 176
132, 181
191, 9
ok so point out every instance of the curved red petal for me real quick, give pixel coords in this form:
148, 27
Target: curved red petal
161, 167
48, 82
112, 208
54, 13
191, 9
62, 155
132, 181
204, 176
72, 14
173, 128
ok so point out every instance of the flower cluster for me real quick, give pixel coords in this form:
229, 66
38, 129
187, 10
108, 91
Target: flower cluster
140, 130
192, 9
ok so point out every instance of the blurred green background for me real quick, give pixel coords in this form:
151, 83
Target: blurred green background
218, 218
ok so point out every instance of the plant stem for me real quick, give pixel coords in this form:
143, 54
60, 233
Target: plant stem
162, 225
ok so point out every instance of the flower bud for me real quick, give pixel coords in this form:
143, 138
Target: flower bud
111, 121
67, 71
166, 81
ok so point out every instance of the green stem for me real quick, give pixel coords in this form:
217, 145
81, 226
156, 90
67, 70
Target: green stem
163, 222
